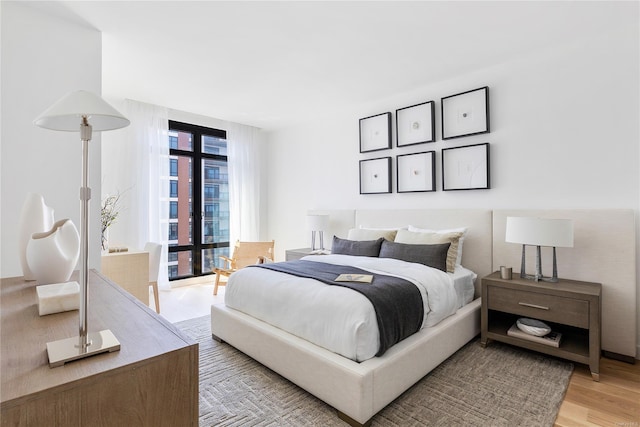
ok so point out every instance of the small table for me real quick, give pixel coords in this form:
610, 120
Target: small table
570, 307
293, 254
130, 270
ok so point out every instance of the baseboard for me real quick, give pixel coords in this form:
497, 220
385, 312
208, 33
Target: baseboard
620, 357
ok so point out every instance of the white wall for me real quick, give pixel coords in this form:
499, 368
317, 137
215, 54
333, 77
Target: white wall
44, 56
564, 134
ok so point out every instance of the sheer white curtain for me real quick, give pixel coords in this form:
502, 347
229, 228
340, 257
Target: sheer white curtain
136, 165
245, 153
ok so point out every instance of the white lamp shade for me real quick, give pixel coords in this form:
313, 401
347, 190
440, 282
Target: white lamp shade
540, 231
66, 114
317, 222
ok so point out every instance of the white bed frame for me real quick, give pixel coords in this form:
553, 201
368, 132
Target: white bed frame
604, 251
359, 390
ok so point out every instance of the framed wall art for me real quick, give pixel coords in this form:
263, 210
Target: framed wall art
375, 133
466, 168
416, 172
375, 176
465, 113
415, 124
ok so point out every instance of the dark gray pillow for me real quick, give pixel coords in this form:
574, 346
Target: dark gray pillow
431, 255
356, 247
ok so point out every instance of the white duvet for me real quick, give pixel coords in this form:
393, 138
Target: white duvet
337, 318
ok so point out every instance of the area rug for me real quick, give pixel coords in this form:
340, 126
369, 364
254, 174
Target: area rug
496, 386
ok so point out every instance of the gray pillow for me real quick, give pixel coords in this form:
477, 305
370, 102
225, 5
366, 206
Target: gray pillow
430, 255
356, 247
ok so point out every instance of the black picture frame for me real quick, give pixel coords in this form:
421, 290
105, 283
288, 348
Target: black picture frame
465, 114
416, 172
416, 124
375, 176
375, 132
466, 167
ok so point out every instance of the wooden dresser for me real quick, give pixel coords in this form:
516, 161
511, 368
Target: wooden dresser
151, 381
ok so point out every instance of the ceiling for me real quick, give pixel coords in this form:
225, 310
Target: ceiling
267, 64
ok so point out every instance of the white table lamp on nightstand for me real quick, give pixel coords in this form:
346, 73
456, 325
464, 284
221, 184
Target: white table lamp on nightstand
317, 224
82, 111
539, 232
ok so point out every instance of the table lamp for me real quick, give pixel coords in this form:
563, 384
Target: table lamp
82, 111
317, 224
539, 232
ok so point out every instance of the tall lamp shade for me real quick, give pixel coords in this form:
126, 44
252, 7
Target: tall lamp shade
83, 112
539, 232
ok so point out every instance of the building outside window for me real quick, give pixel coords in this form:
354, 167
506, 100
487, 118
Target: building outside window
199, 200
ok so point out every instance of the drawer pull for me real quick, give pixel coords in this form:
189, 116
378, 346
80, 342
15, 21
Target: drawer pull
533, 306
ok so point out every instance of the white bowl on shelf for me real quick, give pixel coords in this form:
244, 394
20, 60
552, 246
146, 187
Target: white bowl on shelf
533, 327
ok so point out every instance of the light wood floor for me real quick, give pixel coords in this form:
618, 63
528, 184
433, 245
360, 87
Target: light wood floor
614, 401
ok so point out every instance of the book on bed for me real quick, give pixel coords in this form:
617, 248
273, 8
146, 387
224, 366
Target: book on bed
361, 278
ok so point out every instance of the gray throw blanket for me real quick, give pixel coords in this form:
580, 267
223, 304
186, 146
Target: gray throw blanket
397, 302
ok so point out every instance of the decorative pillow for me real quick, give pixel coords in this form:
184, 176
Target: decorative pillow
462, 230
356, 247
431, 255
371, 234
452, 237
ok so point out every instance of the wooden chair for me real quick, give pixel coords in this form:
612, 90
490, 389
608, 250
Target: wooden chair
244, 254
155, 252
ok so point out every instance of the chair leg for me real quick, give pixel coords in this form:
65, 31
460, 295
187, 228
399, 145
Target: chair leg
156, 297
215, 288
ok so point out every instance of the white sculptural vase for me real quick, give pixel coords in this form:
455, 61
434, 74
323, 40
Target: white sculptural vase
52, 255
36, 217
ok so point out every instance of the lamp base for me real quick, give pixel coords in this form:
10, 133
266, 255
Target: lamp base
538, 277
313, 240
68, 350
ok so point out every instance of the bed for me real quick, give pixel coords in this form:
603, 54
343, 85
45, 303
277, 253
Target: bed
359, 389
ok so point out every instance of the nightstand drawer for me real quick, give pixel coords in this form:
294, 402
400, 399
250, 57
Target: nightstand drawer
552, 308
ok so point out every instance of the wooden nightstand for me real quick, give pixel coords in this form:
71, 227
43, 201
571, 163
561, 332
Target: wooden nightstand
293, 254
568, 306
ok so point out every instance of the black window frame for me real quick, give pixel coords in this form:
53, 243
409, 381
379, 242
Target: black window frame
197, 157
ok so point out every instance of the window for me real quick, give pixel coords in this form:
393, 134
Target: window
173, 188
173, 167
199, 165
212, 173
173, 270
173, 210
173, 231
211, 192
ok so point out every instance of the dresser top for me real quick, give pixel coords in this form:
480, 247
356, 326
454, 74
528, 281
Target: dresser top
24, 335
560, 287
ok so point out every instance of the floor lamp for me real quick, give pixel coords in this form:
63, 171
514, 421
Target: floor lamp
84, 112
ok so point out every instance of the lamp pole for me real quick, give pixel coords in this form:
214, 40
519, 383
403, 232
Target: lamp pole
85, 196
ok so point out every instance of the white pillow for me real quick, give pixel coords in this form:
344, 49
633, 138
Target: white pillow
462, 230
371, 234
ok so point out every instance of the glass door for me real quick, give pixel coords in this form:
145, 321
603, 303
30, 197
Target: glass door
199, 200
